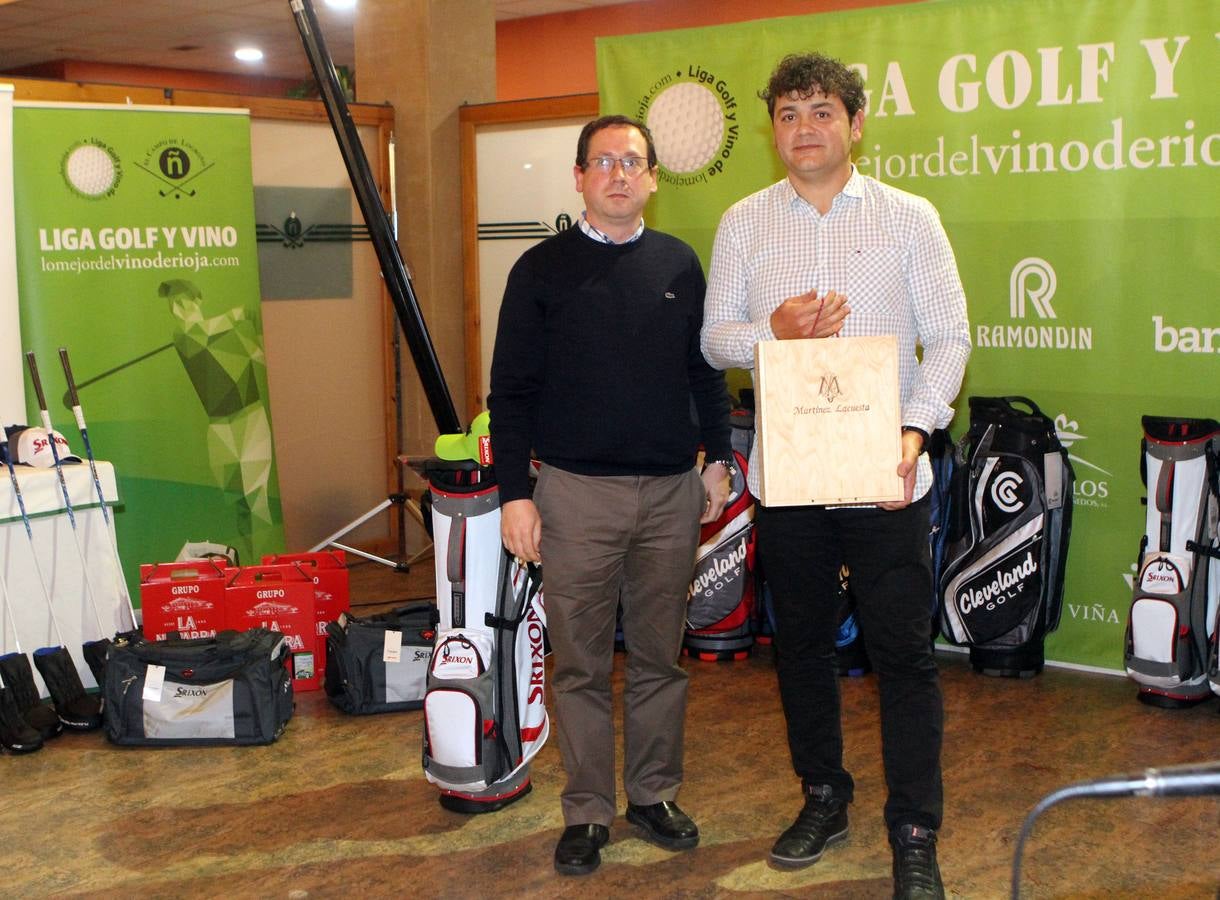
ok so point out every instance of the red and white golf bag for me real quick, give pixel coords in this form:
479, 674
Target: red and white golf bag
1171, 630
720, 603
484, 709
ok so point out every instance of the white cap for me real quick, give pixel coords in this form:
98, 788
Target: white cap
32, 447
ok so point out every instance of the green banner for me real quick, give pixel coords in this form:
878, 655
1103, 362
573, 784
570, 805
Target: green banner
136, 251
1071, 147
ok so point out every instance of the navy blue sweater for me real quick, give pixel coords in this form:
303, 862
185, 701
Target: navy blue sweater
597, 366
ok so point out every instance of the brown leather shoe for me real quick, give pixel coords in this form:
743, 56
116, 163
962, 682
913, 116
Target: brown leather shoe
665, 824
577, 852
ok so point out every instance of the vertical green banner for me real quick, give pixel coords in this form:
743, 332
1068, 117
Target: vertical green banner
12, 395
1071, 147
136, 251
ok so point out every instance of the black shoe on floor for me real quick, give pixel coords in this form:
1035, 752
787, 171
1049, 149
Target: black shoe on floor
577, 850
821, 822
664, 824
916, 874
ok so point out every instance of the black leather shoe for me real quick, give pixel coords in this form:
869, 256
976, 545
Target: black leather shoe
821, 822
577, 850
916, 874
665, 824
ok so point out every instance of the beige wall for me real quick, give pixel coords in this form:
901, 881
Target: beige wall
426, 58
325, 359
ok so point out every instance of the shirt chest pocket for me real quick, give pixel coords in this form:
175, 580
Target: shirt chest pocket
876, 280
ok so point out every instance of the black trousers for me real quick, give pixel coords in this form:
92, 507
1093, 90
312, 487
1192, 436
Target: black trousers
802, 549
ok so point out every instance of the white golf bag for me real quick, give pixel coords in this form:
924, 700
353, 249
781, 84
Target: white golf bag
484, 708
1171, 630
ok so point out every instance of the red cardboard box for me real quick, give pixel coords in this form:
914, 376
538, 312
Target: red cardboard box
279, 598
187, 596
330, 589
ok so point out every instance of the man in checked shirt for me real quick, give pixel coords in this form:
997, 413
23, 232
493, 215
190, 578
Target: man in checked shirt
828, 251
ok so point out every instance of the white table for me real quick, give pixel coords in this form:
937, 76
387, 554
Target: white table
81, 595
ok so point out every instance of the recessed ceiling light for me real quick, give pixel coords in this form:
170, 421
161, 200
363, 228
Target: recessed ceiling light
341, 4
248, 54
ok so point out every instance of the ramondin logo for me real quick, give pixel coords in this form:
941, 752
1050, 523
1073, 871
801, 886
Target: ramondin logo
91, 169
1033, 279
692, 115
175, 164
1089, 489
1032, 283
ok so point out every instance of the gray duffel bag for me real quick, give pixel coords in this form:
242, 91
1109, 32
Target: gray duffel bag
234, 688
362, 674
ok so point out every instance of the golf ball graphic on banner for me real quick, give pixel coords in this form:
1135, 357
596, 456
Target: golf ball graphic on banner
91, 169
687, 124
692, 115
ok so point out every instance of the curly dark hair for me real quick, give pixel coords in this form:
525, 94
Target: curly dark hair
592, 128
812, 73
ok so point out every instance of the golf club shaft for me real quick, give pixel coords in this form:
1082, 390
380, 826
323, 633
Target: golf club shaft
29, 532
79, 415
9, 618
63, 487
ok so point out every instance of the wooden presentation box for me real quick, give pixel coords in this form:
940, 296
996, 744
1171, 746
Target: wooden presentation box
829, 424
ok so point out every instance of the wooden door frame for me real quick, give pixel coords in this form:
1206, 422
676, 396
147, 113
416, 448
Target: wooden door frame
470, 120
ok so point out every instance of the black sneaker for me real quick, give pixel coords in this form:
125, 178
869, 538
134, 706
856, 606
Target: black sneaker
821, 822
916, 875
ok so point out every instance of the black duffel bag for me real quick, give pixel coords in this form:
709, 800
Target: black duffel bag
234, 688
359, 677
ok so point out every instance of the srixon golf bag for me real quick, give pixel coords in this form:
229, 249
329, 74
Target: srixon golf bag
484, 710
1001, 588
720, 601
1171, 630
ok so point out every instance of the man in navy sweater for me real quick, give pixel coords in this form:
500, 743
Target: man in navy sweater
597, 370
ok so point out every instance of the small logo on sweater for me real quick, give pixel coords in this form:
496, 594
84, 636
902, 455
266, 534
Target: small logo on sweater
670, 295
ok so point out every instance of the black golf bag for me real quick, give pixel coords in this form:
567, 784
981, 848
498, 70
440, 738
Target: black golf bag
484, 709
720, 601
1001, 588
1171, 629
942, 454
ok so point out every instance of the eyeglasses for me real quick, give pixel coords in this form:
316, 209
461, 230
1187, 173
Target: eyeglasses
632, 166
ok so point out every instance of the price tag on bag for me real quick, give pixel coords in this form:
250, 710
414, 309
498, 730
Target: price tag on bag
392, 652
154, 681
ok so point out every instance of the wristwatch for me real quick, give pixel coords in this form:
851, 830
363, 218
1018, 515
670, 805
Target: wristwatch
727, 463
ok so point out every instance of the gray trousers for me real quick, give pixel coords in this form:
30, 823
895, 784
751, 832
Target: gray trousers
604, 539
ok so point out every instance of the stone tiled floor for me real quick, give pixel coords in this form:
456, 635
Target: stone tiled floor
339, 806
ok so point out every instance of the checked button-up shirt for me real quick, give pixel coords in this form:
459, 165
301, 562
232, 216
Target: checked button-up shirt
883, 248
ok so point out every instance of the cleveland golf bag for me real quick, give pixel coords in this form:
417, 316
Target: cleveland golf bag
484, 709
1171, 629
1001, 588
942, 454
720, 601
